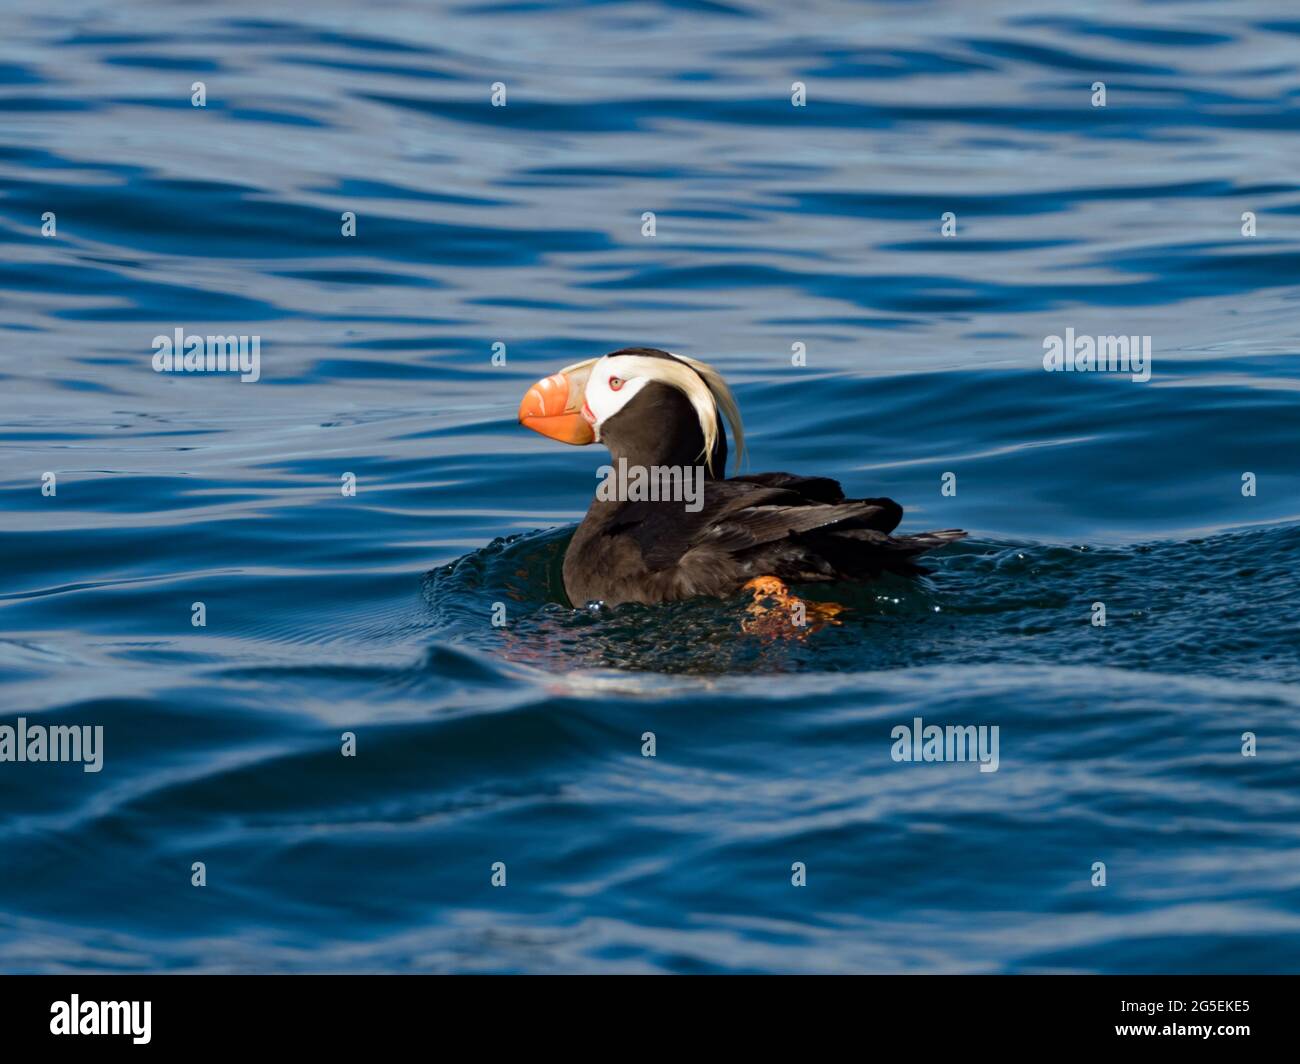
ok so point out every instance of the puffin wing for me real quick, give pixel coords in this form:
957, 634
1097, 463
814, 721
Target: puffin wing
756, 525
813, 489
746, 512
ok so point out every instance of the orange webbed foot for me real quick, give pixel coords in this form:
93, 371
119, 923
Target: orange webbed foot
776, 612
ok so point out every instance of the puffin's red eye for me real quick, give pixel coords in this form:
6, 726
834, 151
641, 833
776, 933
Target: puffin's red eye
615, 383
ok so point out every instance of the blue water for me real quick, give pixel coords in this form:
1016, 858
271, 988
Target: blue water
521, 744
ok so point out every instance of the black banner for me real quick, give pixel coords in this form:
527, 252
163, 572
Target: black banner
1226, 1014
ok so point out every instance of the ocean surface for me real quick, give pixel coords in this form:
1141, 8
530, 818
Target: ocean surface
522, 743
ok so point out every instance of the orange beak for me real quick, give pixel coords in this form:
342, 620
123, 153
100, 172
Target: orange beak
553, 407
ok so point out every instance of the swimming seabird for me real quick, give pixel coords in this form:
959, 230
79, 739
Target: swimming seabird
656, 410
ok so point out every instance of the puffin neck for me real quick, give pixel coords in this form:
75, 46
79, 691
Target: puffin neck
659, 427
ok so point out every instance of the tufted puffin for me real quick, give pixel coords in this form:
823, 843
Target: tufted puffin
663, 413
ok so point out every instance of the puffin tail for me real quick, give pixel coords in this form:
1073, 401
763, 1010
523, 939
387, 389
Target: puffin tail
924, 541
866, 553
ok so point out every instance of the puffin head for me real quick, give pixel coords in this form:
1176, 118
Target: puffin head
645, 404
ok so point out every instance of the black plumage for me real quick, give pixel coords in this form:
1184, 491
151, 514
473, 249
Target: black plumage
798, 529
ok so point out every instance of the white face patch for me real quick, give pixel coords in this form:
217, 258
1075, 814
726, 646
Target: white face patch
613, 382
